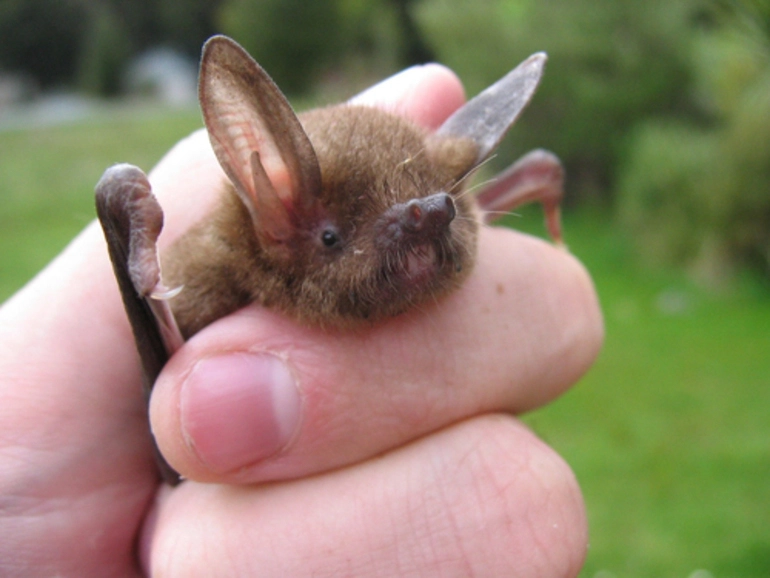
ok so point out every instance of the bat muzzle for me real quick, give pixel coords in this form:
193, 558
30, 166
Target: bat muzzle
428, 216
416, 222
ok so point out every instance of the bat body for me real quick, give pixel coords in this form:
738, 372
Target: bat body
337, 217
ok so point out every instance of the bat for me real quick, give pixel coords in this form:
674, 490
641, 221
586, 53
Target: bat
338, 217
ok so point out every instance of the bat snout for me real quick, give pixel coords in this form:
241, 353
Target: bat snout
428, 215
416, 222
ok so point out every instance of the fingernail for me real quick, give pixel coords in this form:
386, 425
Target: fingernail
238, 409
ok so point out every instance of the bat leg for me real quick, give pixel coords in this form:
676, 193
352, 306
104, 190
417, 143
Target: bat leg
537, 176
132, 220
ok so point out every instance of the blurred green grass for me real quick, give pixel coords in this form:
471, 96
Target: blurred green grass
669, 434
47, 179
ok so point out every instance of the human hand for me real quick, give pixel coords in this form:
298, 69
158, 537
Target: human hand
389, 451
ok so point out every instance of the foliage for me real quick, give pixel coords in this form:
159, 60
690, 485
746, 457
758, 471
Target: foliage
611, 63
698, 195
104, 53
299, 43
87, 44
69, 42
268, 30
42, 38
661, 108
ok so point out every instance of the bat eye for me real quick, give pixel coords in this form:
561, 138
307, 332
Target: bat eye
330, 237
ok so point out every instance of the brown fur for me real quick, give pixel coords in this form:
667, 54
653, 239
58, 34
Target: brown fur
370, 160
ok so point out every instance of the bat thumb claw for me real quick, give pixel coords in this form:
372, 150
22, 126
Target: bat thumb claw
163, 293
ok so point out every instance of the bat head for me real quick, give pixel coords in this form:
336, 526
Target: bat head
354, 212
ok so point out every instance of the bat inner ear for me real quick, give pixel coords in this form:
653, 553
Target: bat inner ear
269, 214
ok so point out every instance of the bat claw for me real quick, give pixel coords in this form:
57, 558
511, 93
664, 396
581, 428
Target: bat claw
163, 293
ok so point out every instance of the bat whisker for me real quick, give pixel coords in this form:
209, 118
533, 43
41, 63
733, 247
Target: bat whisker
468, 175
476, 187
511, 213
465, 218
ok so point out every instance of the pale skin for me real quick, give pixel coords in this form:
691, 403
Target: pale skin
393, 451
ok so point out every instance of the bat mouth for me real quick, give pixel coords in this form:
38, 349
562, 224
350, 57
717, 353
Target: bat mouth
415, 233
419, 263
416, 273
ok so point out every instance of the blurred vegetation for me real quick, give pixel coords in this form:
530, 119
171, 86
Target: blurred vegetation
338, 38
719, 165
611, 63
87, 44
42, 38
268, 31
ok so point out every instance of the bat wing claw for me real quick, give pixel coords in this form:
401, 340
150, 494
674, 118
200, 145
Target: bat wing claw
132, 220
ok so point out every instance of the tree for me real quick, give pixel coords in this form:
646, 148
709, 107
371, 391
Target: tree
42, 38
291, 39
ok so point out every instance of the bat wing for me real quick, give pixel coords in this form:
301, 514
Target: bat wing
487, 117
132, 220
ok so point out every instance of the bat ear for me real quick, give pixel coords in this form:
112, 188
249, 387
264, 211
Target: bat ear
487, 117
257, 139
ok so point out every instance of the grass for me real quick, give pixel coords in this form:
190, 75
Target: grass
669, 434
47, 179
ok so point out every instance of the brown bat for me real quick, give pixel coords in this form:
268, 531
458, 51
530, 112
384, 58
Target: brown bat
338, 217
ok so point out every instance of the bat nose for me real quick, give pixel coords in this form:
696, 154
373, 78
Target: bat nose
428, 215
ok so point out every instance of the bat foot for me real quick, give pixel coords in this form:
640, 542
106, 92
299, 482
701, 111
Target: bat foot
537, 176
553, 222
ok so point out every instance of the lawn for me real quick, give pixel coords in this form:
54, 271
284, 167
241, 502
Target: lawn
669, 434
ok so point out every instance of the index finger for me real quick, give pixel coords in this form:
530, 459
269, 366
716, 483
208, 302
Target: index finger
257, 397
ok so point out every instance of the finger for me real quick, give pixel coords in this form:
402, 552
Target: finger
425, 94
256, 397
75, 454
56, 334
482, 498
